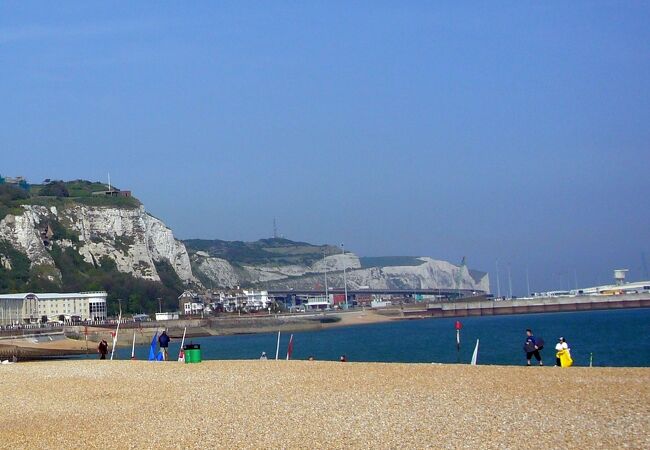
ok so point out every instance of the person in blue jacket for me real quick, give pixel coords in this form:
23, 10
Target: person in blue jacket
163, 341
532, 348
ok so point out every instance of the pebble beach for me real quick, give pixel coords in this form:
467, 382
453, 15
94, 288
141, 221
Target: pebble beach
318, 404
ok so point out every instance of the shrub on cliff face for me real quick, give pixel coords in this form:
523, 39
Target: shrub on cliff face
9, 193
137, 295
16, 279
54, 189
10, 198
61, 232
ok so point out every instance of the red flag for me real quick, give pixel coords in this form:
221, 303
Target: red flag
290, 348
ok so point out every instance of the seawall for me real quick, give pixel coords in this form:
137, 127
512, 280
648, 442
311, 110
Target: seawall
531, 306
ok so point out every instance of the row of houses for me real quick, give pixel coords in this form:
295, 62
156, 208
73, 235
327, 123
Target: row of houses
192, 303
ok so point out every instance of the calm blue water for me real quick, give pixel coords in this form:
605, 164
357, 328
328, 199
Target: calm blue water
616, 338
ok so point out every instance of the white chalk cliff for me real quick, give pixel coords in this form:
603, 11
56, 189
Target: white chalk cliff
129, 236
430, 274
136, 241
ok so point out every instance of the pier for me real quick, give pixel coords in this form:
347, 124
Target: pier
481, 307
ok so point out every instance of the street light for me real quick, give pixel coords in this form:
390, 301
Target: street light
327, 295
345, 280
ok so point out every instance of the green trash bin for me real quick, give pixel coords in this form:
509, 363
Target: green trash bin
192, 353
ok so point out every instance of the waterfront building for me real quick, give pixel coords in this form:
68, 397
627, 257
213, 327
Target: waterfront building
317, 302
193, 308
32, 307
166, 316
187, 297
241, 299
620, 287
256, 300
636, 287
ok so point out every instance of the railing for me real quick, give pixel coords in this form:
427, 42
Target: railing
30, 330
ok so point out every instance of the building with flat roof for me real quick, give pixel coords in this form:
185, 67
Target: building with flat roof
166, 316
31, 307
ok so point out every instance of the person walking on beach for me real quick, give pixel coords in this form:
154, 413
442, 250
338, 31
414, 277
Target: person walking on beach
163, 341
532, 348
102, 349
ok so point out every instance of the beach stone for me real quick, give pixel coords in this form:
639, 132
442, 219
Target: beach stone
319, 404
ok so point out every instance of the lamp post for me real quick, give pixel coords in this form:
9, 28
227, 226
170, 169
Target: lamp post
345, 280
327, 295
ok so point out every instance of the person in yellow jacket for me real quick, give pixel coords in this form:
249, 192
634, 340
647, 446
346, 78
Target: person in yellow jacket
563, 354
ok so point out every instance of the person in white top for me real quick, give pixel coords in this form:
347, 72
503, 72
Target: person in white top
561, 345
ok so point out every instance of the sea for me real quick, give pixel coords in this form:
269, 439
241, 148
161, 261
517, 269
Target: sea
601, 338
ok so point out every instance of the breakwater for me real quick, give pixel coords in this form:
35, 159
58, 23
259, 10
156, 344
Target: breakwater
481, 307
143, 331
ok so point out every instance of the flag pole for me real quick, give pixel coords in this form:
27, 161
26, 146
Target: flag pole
277, 347
133, 346
180, 351
117, 330
290, 348
475, 354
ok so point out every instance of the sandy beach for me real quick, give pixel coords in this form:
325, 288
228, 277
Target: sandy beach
301, 404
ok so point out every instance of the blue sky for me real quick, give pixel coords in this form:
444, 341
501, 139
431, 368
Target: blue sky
516, 131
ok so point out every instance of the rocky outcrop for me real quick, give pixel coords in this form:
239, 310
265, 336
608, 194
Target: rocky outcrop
430, 274
337, 262
214, 272
22, 232
136, 241
219, 272
130, 237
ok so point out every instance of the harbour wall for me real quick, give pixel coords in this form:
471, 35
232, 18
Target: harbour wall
144, 331
531, 306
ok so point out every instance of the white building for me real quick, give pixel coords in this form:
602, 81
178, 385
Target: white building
248, 300
317, 302
636, 287
191, 308
31, 307
167, 316
256, 300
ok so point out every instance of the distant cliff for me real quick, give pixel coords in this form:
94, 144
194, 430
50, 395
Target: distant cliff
131, 238
80, 236
282, 264
89, 241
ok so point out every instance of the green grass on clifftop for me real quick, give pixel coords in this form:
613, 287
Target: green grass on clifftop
388, 261
263, 252
60, 194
